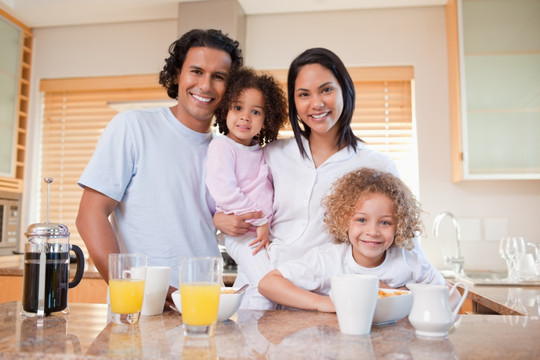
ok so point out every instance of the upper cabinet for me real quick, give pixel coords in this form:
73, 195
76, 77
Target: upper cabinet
494, 76
15, 65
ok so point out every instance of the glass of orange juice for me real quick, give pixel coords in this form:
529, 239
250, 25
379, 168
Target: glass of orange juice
200, 285
127, 274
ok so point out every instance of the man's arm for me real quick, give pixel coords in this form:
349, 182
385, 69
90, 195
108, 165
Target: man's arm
96, 230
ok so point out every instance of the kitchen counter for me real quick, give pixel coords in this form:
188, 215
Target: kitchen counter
85, 334
501, 299
505, 300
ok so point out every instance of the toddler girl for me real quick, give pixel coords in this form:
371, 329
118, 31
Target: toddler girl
250, 115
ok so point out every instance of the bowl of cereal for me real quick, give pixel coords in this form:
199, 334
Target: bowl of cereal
229, 302
392, 305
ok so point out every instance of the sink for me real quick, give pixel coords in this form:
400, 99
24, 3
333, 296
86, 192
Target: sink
486, 275
479, 278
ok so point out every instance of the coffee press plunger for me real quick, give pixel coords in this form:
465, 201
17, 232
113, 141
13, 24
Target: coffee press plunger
46, 266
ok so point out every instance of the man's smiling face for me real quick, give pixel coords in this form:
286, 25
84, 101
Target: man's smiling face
202, 82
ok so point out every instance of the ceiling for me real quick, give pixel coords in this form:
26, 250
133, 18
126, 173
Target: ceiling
50, 13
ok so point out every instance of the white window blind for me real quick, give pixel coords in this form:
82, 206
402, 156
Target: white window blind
384, 116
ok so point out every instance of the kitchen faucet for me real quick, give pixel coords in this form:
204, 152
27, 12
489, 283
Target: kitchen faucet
451, 251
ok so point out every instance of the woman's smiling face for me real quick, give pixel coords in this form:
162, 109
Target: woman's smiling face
318, 98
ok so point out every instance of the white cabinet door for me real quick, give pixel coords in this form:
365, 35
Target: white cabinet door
500, 88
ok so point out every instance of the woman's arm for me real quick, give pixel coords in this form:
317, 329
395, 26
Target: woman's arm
276, 288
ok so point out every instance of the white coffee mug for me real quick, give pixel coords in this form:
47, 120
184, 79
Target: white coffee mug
155, 289
355, 298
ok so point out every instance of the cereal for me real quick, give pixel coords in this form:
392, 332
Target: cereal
383, 293
228, 291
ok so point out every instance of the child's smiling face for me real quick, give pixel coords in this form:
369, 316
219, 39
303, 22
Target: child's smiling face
372, 229
245, 118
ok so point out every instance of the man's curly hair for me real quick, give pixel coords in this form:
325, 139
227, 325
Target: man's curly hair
178, 50
354, 187
275, 103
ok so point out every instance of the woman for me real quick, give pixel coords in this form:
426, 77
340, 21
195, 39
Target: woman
321, 99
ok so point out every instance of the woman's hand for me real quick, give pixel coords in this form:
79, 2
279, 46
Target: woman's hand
235, 225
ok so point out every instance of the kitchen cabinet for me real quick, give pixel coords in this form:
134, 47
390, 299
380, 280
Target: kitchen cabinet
494, 72
15, 65
92, 291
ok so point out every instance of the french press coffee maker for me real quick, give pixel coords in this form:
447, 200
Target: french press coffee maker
46, 267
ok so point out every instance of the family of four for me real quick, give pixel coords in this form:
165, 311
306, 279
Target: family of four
295, 211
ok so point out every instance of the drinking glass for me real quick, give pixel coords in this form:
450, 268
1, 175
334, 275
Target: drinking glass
502, 253
512, 249
127, 273
200, 286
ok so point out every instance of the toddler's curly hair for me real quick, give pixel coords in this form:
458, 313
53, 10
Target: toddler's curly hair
275, 103
354, 187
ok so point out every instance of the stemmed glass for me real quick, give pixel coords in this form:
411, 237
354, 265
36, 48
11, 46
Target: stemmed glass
512, 249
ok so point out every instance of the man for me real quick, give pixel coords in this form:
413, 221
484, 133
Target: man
148, 167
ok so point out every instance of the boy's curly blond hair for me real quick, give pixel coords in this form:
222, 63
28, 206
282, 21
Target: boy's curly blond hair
356, 185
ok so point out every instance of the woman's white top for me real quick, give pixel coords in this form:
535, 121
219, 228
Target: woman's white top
299, 187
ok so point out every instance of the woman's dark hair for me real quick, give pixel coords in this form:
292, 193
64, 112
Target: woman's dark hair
211, 38
275, 104
332, 62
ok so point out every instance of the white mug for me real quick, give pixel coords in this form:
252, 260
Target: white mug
355, 298
155, 289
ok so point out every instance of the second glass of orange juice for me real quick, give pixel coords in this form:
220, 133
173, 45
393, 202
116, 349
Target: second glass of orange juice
127, 274
200, 284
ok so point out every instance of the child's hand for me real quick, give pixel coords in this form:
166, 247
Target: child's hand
263, 238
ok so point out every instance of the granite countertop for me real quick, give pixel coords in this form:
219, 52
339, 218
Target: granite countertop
85, 334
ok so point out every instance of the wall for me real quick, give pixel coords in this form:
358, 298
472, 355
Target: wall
407, 36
